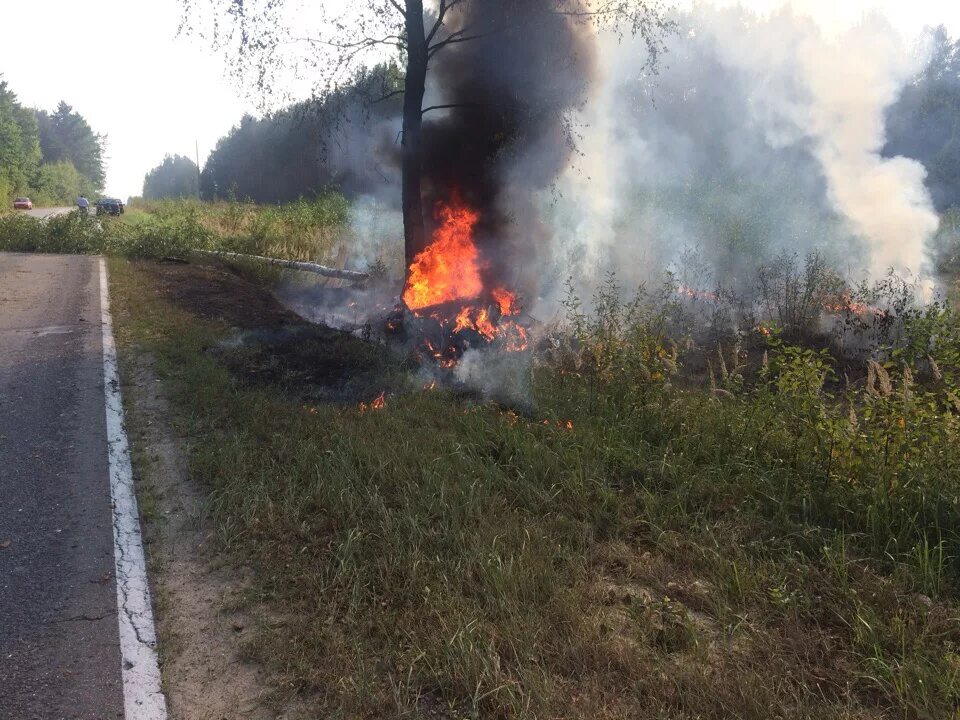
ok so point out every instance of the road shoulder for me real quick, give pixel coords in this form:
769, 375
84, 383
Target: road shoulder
205, 616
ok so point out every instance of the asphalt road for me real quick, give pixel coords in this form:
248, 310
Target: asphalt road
59, 645
47, 212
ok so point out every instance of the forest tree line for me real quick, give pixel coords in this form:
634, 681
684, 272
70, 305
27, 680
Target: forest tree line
51, 157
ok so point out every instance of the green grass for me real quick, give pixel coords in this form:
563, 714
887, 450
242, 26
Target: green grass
313, 230
755, 552
304, 230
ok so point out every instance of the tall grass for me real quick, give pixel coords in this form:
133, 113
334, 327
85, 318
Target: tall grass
303, 230
299, 231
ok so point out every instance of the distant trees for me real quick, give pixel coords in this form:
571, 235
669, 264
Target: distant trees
49, 157
65, 136
176, 177
253, 34
61, 183
19, 145
303, 149
925, 123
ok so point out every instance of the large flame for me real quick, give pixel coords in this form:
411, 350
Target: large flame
449, 273
449, 269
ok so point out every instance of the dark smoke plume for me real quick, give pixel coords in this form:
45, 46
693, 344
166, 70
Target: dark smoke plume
506, 136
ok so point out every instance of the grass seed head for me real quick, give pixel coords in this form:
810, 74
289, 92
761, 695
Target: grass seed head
935, 369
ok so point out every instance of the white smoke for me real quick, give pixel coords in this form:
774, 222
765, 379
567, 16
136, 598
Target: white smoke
845, 84
759, 135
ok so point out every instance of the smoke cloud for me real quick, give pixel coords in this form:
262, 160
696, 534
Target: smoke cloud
758, 136
507, 136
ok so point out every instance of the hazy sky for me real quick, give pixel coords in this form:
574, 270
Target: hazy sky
121, 64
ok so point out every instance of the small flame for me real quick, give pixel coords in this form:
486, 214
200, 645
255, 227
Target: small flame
845, 304
695, 294
379, 403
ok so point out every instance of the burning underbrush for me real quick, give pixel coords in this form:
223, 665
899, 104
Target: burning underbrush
454, 326
451, 307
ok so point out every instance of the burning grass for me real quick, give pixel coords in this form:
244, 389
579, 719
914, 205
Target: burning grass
764, 551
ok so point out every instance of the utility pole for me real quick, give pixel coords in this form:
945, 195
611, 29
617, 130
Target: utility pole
196, 149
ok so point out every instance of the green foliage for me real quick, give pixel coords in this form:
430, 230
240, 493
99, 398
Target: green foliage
302, 230
924, 124
945, 245
66, 136
19, 146
792, 294
71, 233
668, 543
51, 158
60, 183
176, 177
621, 343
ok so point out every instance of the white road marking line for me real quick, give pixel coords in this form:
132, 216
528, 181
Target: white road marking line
142, 696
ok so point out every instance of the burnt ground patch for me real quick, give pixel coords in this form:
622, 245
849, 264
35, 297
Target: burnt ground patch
312, 363
270, 346
212, 293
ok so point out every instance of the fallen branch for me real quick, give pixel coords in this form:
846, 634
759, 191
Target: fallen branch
309, 267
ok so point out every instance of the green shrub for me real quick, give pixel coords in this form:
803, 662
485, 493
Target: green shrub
78, 234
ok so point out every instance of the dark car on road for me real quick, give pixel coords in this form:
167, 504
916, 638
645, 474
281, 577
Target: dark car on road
109, 206
22, 203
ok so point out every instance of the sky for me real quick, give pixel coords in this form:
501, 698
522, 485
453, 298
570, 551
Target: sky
121, 64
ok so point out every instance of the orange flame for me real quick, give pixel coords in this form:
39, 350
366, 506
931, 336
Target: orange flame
695, 294
506, 300
379, 403
843, 303
449, 269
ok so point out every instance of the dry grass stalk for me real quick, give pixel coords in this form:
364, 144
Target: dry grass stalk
883, 380
907, 382
935, 369
723, 363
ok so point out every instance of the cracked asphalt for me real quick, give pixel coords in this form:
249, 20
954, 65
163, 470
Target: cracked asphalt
59, 644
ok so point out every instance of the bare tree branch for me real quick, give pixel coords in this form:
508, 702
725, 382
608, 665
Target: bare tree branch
449, 106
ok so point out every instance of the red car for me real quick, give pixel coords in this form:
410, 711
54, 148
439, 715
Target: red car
22, 204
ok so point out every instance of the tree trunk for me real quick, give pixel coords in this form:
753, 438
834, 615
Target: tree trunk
413, 229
